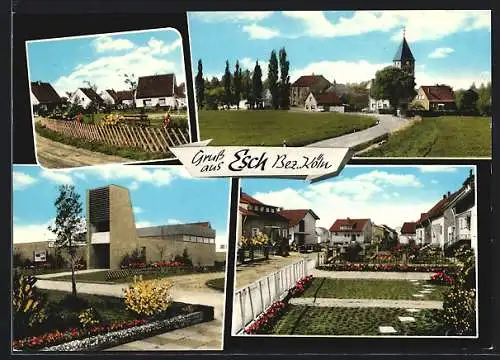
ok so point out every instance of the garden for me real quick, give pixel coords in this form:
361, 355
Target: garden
274, 127
442, 305
47, 320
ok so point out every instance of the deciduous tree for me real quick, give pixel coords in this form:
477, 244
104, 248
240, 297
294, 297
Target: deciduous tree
272, 79
200, 86
393, 84
284, 80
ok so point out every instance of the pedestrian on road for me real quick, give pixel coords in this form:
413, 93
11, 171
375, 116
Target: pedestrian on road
166, 119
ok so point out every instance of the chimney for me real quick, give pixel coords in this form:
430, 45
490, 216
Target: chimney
444, 196
449, 193
348, 218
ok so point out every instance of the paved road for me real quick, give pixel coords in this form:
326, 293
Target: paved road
368, 303
372, 275
52, 154
388, 123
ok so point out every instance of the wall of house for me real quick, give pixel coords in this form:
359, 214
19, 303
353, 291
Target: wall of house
200, 253
34, 100
421, 99
153, 102
448, 225
438, 230
406, 238
27, 250
298, 95
375, 104
344, 237
309, 227
80, 98
108, 99
123, 234
310, 103
261, 224
339, 109
420, 236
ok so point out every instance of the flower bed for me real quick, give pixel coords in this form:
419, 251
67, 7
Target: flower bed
386, 267
104, 336
441, 278
266, 321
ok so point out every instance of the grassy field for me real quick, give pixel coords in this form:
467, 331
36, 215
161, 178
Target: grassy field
444, 136
304, 320
271, 127
369, 289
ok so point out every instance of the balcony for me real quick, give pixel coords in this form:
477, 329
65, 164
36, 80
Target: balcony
100, 238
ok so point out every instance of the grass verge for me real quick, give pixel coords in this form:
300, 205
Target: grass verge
271, 127
129, 153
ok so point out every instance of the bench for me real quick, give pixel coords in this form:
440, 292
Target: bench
139, 119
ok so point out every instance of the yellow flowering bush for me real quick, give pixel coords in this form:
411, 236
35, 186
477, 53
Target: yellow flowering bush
88, 317
147, 298
260, 239
111, 119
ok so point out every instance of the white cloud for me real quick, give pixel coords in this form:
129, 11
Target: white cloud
395, 194
157, 176
143, 224
22, 180
437, 23
457, 80
107, 71
385, 178
134, 185
441, 52
32, 233
173, 222
80, 176
260, 32
58, 177
434, 181
436, 168
137, 210
231, 16
249, 63
107, 43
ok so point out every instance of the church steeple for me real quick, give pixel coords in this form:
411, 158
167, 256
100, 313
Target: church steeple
403, 58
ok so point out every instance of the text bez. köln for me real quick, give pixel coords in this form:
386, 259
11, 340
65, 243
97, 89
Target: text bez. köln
244, 159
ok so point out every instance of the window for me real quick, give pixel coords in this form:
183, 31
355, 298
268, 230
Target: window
255, 231
146, 102
467, 222
161, 102
222, 246
40, 256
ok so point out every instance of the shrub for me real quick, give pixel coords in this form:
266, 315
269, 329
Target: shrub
136, 257
265, 322
440, 278
301, 286
146, 298
88, 318
28, 305
17, 260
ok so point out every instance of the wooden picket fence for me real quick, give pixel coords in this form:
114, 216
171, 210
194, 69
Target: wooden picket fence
151, 139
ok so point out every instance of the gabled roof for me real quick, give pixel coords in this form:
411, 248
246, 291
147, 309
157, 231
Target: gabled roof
403, 53
408, 228
180, 90
247, 199
308, 80
438, 209
124, 95
294, 216
357, 225
44, 93
438, 93
112, 93
156, 86
92, 95
327, 98
263, 215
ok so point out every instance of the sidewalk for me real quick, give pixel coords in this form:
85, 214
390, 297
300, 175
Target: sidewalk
371, 275
368, 303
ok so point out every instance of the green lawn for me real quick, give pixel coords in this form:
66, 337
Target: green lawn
444, 136
369, 289
271, 127
304, 320
216, 284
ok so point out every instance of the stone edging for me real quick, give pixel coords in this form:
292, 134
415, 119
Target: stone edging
115, 338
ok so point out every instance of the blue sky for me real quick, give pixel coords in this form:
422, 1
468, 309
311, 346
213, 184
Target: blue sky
452, 47
160, 195
103, 59
388, 195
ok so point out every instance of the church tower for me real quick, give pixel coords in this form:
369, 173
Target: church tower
404, 58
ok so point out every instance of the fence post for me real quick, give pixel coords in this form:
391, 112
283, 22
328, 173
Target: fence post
261, 295
242, 310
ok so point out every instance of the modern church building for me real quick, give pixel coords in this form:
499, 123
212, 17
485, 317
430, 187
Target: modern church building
112, 234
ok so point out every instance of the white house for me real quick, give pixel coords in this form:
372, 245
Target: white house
407, 233
43, 96
85, 97
158, 90
327, 101
109, 97
301, 226
345, 231
374, 104
323, 235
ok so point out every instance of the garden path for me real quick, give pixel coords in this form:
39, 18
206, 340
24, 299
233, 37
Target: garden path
65, 273
387, 124
382, 303
371, 275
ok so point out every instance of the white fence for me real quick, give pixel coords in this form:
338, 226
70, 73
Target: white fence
250, 301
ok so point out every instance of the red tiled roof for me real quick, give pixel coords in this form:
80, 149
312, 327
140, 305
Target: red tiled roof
294, 216
408, 228
357, 224
437, 209
438, 93
246, 212
307, 80
124, 95
44, 93
247, 199
156, 86
327, 98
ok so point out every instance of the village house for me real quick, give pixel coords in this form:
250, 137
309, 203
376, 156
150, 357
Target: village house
159, 91
346, 231
112, 233
407, 233
109, 97
44, 97
301, 227
85, 97
403, 59
304, 85
327, 101
125, 98
255, 217
435, 98
323, 236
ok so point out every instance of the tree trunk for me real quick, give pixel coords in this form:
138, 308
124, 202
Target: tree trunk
73, 277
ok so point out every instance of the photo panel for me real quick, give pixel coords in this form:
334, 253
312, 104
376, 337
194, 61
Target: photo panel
380, 251
118, 258
383, 83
